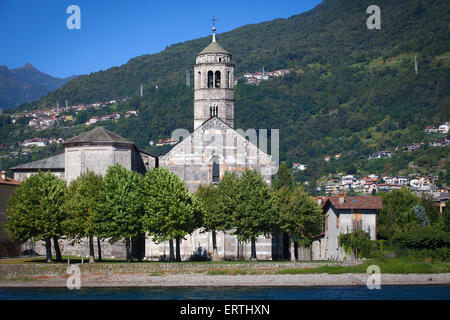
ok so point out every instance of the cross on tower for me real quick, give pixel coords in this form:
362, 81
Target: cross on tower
214, 29
214, 22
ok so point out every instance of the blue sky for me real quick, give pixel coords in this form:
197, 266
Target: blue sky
113, 32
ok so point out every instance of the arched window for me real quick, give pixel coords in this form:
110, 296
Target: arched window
217, 84
228, 79
210, 79
215, 171
199, 80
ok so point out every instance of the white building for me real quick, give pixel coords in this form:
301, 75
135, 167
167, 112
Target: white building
444, 128
299, 166
345, 215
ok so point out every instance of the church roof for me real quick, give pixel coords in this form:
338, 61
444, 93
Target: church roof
98, 135
55, 162
214, 47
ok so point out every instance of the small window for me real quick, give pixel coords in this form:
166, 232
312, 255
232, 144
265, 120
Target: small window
216, 171
337, 221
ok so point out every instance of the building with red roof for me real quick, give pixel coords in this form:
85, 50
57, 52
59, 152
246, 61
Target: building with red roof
343, 215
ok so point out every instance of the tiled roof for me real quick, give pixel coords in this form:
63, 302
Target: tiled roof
98, 135
214, 47
365, 202
55, 162
9, 181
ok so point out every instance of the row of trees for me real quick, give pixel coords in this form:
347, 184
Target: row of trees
249, 207
124, 205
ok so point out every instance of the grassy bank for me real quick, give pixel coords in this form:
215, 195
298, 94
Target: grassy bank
401, 265
29, 268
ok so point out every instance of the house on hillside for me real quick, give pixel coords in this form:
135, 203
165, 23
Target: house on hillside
431, 129
444, 128
299, 166
344, 215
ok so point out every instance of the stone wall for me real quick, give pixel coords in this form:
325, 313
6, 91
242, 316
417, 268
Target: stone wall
116, 250
191, 160
22, 175
198, 246
79, 159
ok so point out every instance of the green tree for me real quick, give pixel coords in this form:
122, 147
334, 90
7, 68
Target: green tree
213, 218
228, 190
421, 215
358, 243
253, 215
395, 215
35, 211
122, 209
170, 211
299, 215
431, 208
83, 203
283, 178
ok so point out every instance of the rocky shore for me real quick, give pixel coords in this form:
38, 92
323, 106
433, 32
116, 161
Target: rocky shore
265, 280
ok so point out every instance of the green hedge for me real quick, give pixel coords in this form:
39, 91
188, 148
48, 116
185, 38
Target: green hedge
423, 238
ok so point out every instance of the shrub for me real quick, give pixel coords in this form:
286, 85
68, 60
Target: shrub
359, 243
441, 254
423, 238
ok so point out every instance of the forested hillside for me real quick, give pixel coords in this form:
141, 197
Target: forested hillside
333, 33
354, 91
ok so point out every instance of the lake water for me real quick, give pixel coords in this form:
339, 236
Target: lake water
434, 292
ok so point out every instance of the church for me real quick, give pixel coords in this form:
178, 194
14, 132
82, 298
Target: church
201, 158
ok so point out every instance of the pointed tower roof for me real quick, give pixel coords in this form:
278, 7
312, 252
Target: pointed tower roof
214, 47
98, 135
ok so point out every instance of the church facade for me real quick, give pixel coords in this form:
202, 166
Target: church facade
213, 148
201, 158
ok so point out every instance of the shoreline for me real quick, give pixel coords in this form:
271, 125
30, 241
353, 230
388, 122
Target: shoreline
201, 280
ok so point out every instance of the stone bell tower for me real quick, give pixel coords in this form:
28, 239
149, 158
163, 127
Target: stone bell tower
213, 84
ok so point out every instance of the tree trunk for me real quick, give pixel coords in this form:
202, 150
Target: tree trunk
57, 249
253, 252
292, 247
91, 249
99, 250
128, 247
215, 254
48, 249
177, 244
171, 253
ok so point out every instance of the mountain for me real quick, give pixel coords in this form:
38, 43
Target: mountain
354, 91
332, 33
25, 84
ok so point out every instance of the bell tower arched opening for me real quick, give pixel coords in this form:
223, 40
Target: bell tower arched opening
210, 79
217, 79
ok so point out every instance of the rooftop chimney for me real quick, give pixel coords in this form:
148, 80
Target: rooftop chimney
3, 175
319, 201
341, 198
